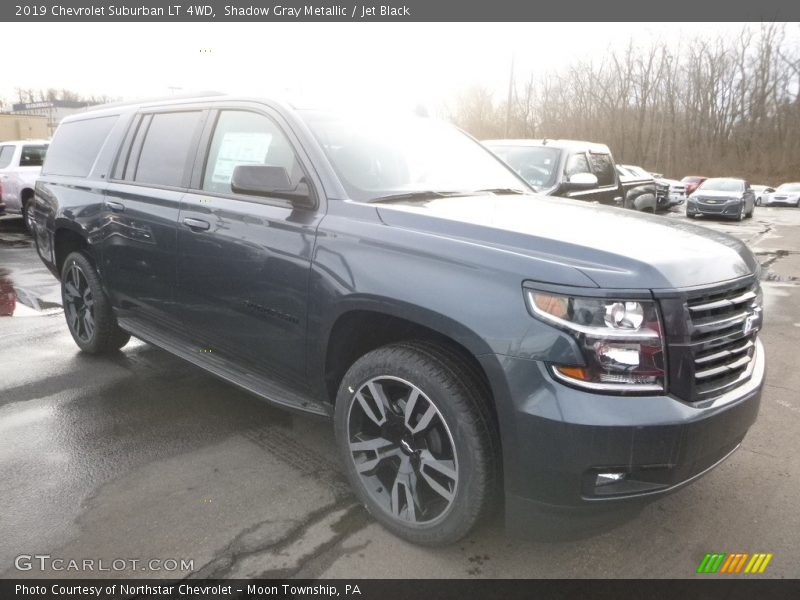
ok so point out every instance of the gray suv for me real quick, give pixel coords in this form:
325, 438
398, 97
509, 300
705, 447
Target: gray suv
468, 339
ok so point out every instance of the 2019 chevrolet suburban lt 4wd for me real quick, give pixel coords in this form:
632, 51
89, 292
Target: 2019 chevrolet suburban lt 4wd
467, 337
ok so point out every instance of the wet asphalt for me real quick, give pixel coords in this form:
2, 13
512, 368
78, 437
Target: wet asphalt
140, 457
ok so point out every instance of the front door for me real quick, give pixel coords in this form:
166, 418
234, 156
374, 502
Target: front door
244, 262
601, 165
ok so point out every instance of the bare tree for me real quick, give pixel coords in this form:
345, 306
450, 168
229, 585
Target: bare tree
724, 106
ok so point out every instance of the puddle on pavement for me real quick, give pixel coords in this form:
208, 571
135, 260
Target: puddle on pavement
22, 302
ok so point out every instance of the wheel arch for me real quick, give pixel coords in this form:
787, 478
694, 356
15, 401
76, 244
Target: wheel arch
363, 327
69, 237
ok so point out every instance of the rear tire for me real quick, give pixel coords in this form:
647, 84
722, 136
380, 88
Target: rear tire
90, 319
417, 442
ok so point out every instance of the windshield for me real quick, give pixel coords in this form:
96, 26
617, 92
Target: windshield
722, 185
789, 187
691, 179
377, 158
538, 165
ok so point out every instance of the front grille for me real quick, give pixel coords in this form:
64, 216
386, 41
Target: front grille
722, 329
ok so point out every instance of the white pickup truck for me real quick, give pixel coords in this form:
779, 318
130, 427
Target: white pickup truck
20, 164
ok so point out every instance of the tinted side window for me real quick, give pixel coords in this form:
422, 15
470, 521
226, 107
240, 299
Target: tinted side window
32, 156
166, 148
577, 163
76, 145
245, 138
603, 167
6, 154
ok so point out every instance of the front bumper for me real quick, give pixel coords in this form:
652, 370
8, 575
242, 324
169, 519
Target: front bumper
722, 209
784, 201
556, 439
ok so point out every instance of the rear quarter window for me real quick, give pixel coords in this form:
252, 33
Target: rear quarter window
76, 145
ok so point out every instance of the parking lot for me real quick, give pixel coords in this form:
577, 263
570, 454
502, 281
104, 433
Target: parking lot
144, 457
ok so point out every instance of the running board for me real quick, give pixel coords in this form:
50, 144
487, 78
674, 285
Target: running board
259, 385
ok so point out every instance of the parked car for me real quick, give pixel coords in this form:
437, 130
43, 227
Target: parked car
639, 192
784, 194
691, 182
760, 191
724, 197
20, 163
466, 336
567, 168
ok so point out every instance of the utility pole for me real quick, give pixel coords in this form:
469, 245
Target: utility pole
510, 91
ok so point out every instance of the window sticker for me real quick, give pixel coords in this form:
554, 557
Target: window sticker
239, 148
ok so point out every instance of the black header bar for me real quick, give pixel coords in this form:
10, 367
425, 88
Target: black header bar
292, 11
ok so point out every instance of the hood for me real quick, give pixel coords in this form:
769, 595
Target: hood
612, 247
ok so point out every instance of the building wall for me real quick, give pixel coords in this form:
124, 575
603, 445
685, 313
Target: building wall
53, 111
23, 127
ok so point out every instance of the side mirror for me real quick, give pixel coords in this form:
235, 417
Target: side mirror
581, 181
265, 180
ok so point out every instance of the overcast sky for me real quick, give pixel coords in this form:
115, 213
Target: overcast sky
411, 63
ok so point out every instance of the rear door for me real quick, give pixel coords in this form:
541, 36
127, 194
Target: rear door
244, 262
141, 205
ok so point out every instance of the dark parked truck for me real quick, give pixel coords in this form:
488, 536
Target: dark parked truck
467, 337
568, 168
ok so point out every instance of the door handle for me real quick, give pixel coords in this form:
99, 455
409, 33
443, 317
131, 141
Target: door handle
196, 224
115, 206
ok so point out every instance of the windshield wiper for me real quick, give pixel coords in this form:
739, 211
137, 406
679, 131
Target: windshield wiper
418, 195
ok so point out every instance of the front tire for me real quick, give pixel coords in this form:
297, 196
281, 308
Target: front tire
27, 216
416, 440
90, 318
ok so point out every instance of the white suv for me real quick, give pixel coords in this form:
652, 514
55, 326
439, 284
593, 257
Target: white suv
20, 164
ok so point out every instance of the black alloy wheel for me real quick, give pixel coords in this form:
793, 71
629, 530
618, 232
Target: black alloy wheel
403, 450
27, 216
88, 312
418, 441
79, 303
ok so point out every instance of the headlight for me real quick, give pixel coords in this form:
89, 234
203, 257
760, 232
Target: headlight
620, 339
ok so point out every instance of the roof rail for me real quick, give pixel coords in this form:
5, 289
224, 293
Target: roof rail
184, 96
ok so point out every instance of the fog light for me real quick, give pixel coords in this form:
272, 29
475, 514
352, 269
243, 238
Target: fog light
608, 478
